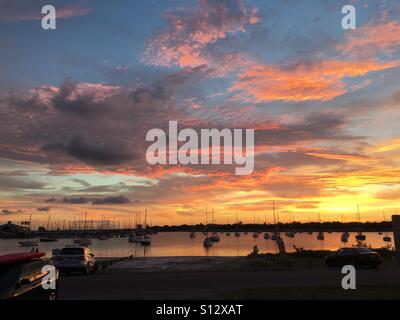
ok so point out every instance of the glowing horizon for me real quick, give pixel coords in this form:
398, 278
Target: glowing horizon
323, 102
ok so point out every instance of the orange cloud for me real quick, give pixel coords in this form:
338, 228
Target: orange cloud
189, 32
322, 81
371, 39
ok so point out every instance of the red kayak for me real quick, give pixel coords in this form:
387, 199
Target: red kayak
20, 257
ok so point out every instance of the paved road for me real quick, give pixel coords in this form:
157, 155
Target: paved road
207, 285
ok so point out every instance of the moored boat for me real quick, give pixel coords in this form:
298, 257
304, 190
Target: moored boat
360, 236
146, 241
83, 241
207, 242
215, 237
29, 243
387, 239
48, 239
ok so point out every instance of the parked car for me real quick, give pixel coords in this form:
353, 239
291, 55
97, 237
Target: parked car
75, 258
21, 277
357, 257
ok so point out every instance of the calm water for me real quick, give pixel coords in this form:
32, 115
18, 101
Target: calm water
179, 244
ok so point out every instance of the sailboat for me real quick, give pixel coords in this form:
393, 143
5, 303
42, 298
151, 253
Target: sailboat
192, 234
290, 234
134, 238
237, 233
255, 234
360, 236
228, 233
48, 238
207, 243
345, 237
275, 235
146, 239
386, 238
320, 235
215, 237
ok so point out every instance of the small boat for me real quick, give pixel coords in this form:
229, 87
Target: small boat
237, 234
360, 236
290, 234
275, 236
344, 238
228, 234
387, 239
346, 234
48, 239
192, 235
207, 243
255, 235
380, 233
29, 243
83, 241
134, 238
320, 236
146, 241
267, 236
215, 237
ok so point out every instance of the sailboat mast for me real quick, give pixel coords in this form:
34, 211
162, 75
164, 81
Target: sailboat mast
273, 211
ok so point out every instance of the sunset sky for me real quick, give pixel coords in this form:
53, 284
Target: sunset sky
76, 104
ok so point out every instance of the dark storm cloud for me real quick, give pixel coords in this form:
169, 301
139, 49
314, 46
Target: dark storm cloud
94, 123
78, 200
112, 200
316, 126
79, 148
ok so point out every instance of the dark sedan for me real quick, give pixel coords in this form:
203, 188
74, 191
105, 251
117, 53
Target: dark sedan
358, 257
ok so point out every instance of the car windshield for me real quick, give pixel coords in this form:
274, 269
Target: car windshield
71, 251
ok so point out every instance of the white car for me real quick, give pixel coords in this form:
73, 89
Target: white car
75, 258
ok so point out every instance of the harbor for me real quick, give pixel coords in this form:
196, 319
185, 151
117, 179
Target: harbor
180, 243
